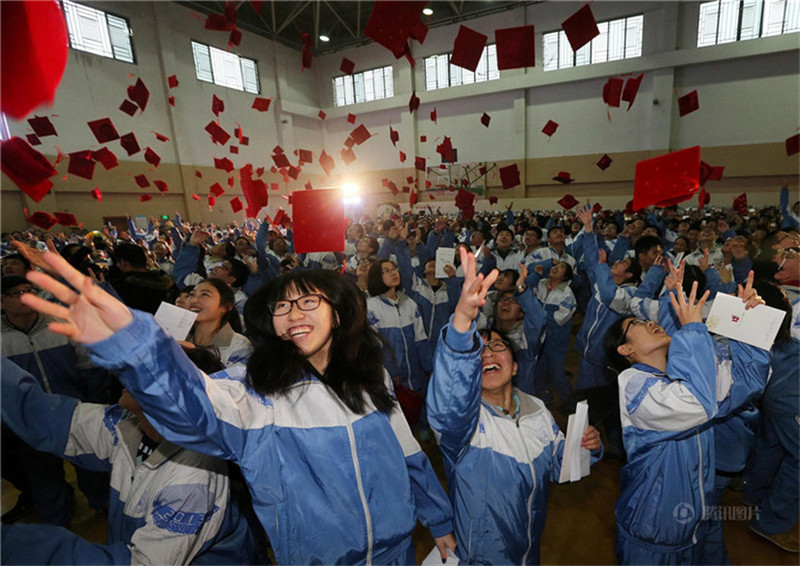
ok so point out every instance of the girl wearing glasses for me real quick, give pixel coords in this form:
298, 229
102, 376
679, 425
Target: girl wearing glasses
501, 446
334, 472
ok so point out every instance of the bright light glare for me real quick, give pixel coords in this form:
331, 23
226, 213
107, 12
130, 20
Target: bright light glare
324, 38
352, 201
427, 12
349, 189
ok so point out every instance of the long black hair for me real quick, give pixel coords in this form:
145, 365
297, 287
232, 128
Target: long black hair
227, 298
355, 367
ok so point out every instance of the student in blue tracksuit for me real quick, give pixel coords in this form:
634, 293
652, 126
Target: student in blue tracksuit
668, 399
501, 447
334, 472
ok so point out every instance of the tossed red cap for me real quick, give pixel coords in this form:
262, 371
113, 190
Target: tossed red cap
66, 218
485, 119
326, 162
410, 179
130, 144
161, 186
172, 81
793, 144
231, 181
509, 176
33, 139
347, 155
152, 157
349, 142
413, 102
294, 172
413, 198
394, 136
464, 199
445, 149
580, 27
688, 103
703, 198
225, 164
97, 194
235, 38
710, 173
81, 164
482, 170
567, 201
347, 66
145, 198
277, 149
41, 220
515, 47
351, 118
198, 174
604, 162
550, 128
419, 163
236, 204
139, 94
161, 137
307, 55
563, 177
631, 89
211, 201
668, 179
196, 197
406, 189
27, 168
612, 91
142, 181
319, 221
321, 115
219, 135
171, 101
274, 187
391, 186
255, 192
423, 139
261, 104
492, 200
128, 107
106, 158
279, 159
402, 157
360, 134
391, 23
42, 126
216, 190
468, 48
740, 204
597, 207
233, 148
306, 156
104, 130
217, 105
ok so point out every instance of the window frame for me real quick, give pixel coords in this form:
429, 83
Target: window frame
586, 55
355, 86
458, 76
760, 22
240, 60
105, 13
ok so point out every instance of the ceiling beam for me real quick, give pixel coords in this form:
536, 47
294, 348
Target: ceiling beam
291, 17
341, 20
455, 8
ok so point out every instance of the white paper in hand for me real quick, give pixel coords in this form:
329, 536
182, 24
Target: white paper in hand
444, 256
434, 558
576, 460
175, 321
757, 326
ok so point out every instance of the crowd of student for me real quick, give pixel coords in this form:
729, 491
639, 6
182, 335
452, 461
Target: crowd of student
309, 354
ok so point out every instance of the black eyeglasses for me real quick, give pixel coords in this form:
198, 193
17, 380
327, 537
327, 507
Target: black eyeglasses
304, 303
496, 346
19, 292
507, 299
628, 327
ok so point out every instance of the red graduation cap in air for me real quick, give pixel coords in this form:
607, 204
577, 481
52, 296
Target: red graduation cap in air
419, 163
130, 144
27, 168
321, 115
152, 157
567, 201
106, 158
261, 104
710, 173
172, 81
306, 55
550, 128
580, 28
66, 218
515, 47
161, 186
42, 126
563, 177
485, 119
217, 105
347, 155
492, 200
142, 181
347, 66
394, 136
351, 118
326, 162
509, 176
604, 162
668, 179
360, 134
319, 221
81, 164
612, 91
740, 204
236, 204
33, 139
218, 134
145, 198
445, 149
413, 102
433, 116
793, 145
391, 23
139, 94
703, 198
104, 130
631, 89
97, 194
216, 190
225, 164
688, 103
41, 220
468, 48
128, 107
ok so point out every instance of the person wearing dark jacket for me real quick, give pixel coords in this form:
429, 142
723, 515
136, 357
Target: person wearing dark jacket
137, 287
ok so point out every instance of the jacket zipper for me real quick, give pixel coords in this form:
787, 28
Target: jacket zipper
356, 465
45, 381
530, 497
702, 491
405, 345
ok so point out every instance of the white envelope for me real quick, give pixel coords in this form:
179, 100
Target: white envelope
435, 559
757, 327
444, 256
175, 321
576, 460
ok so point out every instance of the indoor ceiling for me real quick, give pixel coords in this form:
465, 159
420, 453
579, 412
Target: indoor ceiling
342, 22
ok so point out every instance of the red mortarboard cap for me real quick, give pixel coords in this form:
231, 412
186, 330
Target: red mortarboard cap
161, 186
515, 47
161, 137
319, 221
308, 186
280, 160
703, 198
580, 27
740, 204
485, 119
433, 116
612, 91
667, 180
413, 197
402, 157
217, 133
104, 130
306, 57
563, 177
604, 162
196, 197
321, 115
360, 134
145, 198
233, 149
171, 101
492, 200
198, 174
391, 24
423, 139
468, 48
347, 156
410, 180
631, 89
294, 172
629, 208
42, 220
220, 22
392, 187
306, 156
793, 144
419, 32
255, 192
217, 105
216, 190
66, 218
34, 53
326, 162
236, 204
550, 128
419, 163
231, 180
351, 118
688, 103
172, 81
225, 164
710, 173
445, 149
97, 194
482, 170
29, 169
596, 208
33, 139
152, 157
128, 107
273, 169
567, 201
261, 104
139, 94
413, 102
277, 149
281, 218
129, 143
42, 126
211, 201
244, 140
235, 38
142, 181
464, 199
105, 157
347, 66
406, 189
274, 187
81, 164
509, 176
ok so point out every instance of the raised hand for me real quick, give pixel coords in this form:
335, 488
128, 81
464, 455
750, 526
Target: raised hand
199, 237
89, 315
585, 216
523, 274
691, 310
703, 262
602, 256
748, 294
591, 439
34, 255
473, 292
674, 278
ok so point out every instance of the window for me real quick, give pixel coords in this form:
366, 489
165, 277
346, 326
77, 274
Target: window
618, 39
440, 74
98, 32
726, 21
224, 68
370, 85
